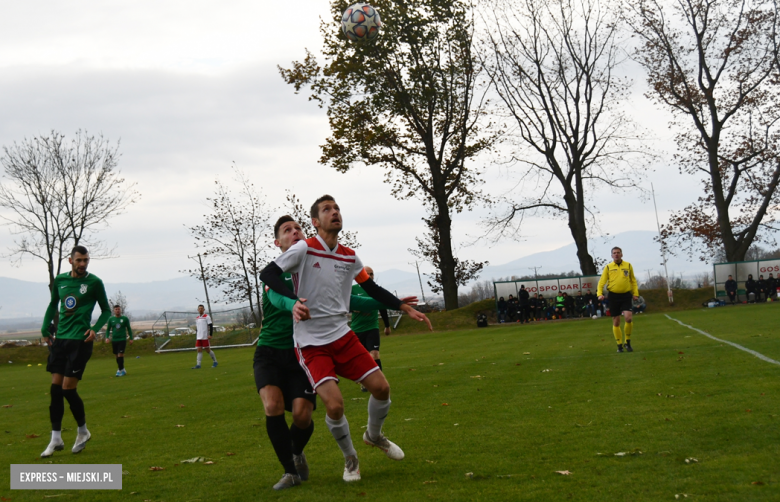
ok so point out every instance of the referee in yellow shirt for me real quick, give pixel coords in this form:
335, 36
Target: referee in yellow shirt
621, 284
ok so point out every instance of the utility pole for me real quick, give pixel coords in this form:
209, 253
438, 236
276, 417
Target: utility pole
419, 278
203, 278
536, 276
663, 250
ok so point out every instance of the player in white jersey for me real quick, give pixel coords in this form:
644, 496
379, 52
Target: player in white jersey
322, 272
205, 329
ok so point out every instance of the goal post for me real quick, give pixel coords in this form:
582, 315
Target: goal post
174, 331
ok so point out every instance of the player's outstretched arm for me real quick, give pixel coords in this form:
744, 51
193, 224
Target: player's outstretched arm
379, 293
417, 316
300, 312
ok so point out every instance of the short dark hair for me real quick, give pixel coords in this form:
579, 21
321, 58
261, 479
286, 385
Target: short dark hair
117, 306
79, 250
201, 305
281, 221
315, 208
614, 248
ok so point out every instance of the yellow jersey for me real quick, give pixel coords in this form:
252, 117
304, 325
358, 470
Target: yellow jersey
618, 279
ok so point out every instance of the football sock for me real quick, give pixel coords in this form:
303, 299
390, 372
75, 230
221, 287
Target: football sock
300, 437
618, 334
56, 408
377, 412
83, 429
118, 364
213, 357
56, 435
279, 434
629, 328
121, 362
340, 430
76, 405
378, 363
200, 358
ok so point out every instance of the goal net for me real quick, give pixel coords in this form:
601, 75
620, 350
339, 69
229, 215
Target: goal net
175, 331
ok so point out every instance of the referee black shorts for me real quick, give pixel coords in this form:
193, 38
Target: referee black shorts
119, 347
369, 339
69, 357
619, 303
280, 368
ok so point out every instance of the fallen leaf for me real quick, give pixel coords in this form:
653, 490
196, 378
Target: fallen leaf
133, 493
358, 398
526, 353
748, 411
429, 482
179, 425
759, 483
156, 468
125, 416
407, 419
412, 369
564, 473
681, 352
477, 376
469, 474
546, 371
691, 460
683, 495
431, 461
181, 406
444, 404
456, 425
209, 462
229, 454
32, 436
435, 386
8, 406
441, 364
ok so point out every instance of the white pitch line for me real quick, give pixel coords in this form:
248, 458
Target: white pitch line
736, 345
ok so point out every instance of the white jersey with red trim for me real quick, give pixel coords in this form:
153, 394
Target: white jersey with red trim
324, 278
202, 325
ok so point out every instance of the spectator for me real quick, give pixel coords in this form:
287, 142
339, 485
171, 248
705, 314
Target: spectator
638, 305
541, 303
533, 307
772, 284
763, 289
591, 304
560, 306
579, 305
501, 309
751, 287
568, 302
731, 290
511, 309
522, 300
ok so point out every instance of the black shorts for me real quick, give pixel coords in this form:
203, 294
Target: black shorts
369, 339
69, 357
280, 368
619, 303
119, 347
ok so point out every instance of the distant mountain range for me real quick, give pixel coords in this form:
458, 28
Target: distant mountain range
24, 302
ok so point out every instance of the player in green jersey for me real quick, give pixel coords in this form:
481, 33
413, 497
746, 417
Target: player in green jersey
118, 332
365, 324
77, 291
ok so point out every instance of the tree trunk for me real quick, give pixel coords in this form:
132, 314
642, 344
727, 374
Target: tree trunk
449, 283
575, 206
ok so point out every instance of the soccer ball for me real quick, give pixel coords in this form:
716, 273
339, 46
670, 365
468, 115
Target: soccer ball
360, 23
595, 317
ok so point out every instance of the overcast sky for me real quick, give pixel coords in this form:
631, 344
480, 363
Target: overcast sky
190, 87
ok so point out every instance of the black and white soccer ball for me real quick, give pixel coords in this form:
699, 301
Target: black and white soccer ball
361, 23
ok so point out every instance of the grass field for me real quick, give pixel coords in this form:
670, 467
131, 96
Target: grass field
509, 404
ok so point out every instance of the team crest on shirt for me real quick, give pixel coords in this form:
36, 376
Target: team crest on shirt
625, 273
83, 289
70, 302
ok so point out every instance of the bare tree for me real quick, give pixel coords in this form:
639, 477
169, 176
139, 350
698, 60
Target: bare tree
235, 237
57, 194
119, 299
412, 104
553, 63
712, 64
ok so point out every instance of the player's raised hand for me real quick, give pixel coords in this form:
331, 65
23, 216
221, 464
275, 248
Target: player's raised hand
300, 311
409, 300
90, 335
417, 316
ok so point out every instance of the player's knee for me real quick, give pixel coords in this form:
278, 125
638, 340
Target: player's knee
382, 391
273, 406
335, 410
375, 354
301, 417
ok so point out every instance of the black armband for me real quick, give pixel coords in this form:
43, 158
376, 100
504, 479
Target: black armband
211, 329
271, 277
380, 294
